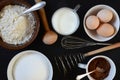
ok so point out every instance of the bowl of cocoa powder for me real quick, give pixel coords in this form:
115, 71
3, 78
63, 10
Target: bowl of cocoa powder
104, 63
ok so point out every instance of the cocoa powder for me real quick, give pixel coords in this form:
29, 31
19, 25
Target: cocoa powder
101, 63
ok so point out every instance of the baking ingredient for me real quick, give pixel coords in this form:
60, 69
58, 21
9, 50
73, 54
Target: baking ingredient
105, 15
92, 22
31, 67
106, 30
101, 63
15, 29
65, 21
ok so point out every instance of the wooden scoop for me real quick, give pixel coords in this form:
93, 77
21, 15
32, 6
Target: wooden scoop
50, 36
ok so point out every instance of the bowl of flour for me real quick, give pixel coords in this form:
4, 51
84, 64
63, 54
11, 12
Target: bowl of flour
17, 32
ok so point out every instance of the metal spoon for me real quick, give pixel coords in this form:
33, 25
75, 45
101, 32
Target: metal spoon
79, 77
76, 8
83, 75
35, 7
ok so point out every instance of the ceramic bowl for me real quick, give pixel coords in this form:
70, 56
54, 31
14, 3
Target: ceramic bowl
65, 21
115, 22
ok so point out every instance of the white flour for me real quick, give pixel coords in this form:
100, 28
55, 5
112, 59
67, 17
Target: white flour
15, 29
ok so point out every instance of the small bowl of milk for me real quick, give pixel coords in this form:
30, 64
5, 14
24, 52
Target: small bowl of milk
65, 21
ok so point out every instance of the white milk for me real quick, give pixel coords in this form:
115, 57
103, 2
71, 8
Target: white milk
31, 67
65, 21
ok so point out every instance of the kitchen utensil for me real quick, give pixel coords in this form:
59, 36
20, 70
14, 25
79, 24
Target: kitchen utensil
71, 60
79, 77
70, 42
83, 75
50, 36
35, 7
76, 8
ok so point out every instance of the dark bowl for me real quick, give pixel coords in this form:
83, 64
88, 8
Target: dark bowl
4, 3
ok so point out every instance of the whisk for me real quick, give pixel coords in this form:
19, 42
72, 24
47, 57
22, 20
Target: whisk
67, 62
70, 42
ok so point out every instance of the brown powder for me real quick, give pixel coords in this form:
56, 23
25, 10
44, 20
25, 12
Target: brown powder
101, 63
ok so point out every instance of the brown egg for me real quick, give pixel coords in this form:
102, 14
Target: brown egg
92, 22
106, 30
105, 15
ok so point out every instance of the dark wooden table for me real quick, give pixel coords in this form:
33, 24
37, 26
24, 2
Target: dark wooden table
56, 49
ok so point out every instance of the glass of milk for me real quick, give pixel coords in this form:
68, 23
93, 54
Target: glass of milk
65, 21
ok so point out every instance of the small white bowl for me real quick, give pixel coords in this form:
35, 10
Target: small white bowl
115, 22
112, 71
65, 21
30, 65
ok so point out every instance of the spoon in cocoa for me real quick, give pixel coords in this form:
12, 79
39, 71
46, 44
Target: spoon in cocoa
83, 75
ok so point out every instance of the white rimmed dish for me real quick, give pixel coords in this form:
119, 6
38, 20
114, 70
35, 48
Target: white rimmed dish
30, 65
115, 22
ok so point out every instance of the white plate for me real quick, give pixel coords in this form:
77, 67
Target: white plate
30, 65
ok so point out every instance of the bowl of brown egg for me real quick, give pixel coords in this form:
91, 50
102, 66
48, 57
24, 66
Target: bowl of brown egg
101, 23
17, 31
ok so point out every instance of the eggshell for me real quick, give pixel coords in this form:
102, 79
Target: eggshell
92, 22
105, 15
106, 30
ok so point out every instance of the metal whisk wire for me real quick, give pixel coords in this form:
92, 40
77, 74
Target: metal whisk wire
71, 60
67, 62
70, 42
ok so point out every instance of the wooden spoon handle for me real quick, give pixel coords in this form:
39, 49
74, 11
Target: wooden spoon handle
43, 17
113, 46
